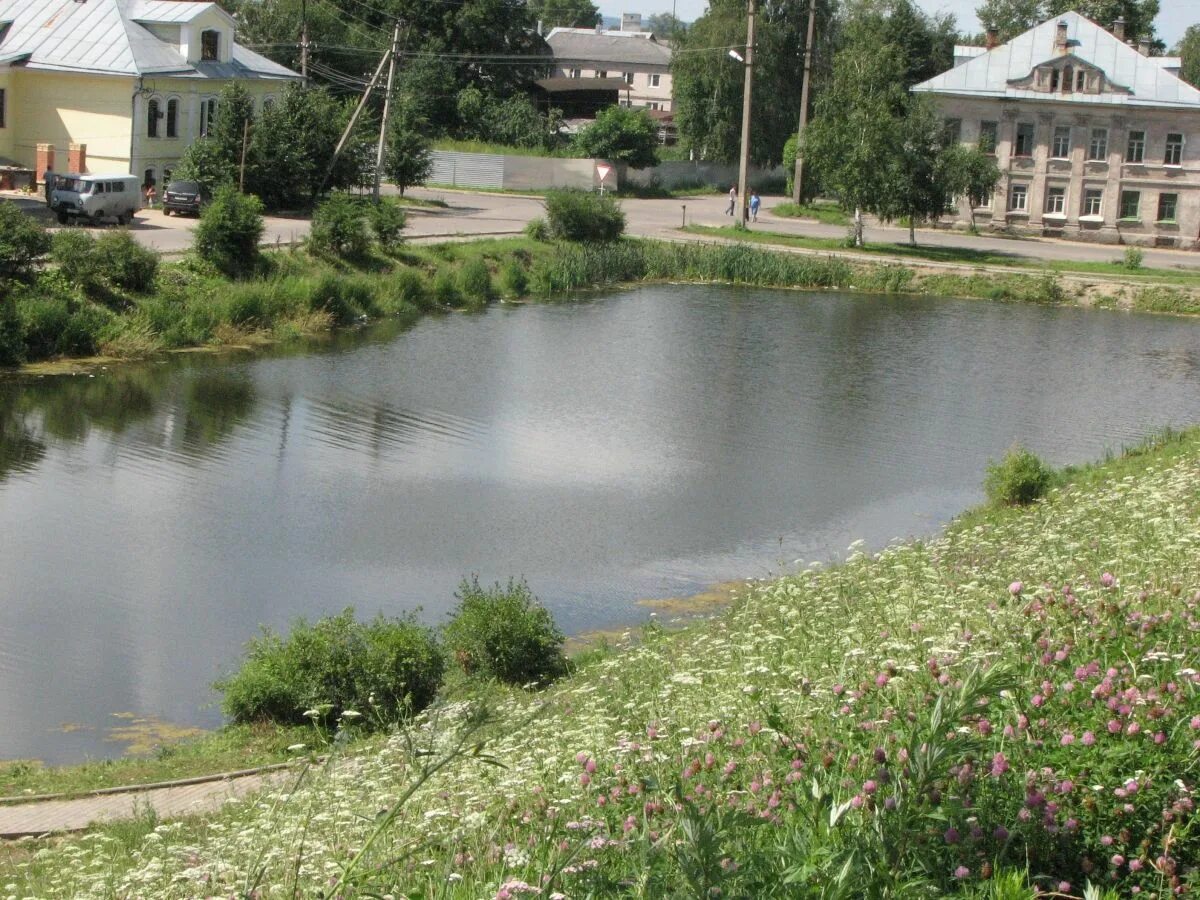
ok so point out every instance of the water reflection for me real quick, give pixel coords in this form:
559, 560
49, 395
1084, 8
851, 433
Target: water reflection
648, 444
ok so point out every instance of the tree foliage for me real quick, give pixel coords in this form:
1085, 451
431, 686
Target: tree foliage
230, 228
408, 160
514, 120
1189, 49
565, 13
969, 173
1011, 17
621, 134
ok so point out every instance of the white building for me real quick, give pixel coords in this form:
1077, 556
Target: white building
636, 57
1094, 139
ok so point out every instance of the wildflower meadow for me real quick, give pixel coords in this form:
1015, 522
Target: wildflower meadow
1007, 711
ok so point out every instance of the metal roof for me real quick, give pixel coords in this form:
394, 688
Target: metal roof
636, 48
989, 74
101, 37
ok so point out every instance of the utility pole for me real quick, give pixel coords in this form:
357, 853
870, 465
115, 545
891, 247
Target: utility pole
242, 166
341, 144
744, 159
387, 108
304, 41
798, 179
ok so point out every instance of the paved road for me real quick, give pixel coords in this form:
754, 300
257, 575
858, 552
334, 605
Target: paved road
474, 214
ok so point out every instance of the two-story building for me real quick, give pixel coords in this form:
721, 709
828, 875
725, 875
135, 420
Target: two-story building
635, 57
118, 86
1095, 140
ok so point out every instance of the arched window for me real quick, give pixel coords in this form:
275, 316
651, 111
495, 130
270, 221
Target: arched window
173, 117
152, 115
208, 116
1068, 79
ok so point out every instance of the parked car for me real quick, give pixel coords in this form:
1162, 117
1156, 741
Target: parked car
95, 197
184, 197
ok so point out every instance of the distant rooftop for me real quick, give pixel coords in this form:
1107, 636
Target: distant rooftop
616, 47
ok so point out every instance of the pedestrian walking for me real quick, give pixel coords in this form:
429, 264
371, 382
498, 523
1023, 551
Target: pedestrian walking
48, 176
151, 194
732, 201
755, 203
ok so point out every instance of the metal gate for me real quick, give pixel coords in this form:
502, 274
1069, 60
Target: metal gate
476, 170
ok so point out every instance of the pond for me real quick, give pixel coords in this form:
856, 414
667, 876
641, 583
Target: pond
649, 443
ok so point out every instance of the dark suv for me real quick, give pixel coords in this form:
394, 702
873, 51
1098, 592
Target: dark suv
184, 197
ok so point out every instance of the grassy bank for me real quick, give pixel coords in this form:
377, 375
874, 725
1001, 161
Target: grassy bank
1014, 704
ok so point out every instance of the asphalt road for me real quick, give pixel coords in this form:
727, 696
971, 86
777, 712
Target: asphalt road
476, 214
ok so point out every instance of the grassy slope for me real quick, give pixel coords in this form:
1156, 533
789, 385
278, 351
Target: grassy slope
832, 731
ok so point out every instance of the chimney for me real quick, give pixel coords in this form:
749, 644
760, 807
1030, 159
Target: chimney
1118, 29
992, 38
1144, 46
1060, 39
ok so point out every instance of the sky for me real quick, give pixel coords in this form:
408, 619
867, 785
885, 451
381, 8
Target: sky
1173, 18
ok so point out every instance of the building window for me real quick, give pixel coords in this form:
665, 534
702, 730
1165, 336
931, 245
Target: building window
987, 137
1018, 198
152, 116
1080, 80
148, 179
1055, 75
1093, 201
210, 45
1068, 77
952, 130
575, 73
1024, 145
655, 106
1061, 149
3, 106
1166, 207
600, 73
1098, 146
1174, 154
208, 116
654, 80
172, 118
629, 78
1135, 150
1056, 201
1131, 202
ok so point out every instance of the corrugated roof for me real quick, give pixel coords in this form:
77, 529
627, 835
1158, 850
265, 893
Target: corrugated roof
988, 75
584, 45
101, 36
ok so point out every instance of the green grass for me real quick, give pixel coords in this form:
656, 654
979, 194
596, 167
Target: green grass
825, 213
957, 255
864, 727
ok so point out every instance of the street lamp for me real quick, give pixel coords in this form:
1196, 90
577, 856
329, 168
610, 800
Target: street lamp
737, 56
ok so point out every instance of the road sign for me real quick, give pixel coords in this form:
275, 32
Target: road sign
602, 169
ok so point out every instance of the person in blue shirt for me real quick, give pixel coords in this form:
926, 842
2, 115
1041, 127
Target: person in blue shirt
755, 203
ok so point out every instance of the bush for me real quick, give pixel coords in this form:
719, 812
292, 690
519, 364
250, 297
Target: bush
583, 216
475, 282
229, 231
23, 241
345, 299
445, 287
513, 280
1133, 258
506, 634
124, 262
12, 334
72, 251
383, 670
388, 219
1018, 479
339, 228
537, 230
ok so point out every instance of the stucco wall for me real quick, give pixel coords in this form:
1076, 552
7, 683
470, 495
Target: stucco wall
6, 133
60, 108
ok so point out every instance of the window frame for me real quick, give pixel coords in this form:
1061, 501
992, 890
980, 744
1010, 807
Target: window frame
602, 73
208, 115
210, 47
1173, 150
655, 79
628, 76
992, 132
1025, 129
172, 117
574, 73
1098, 138
1174, 202
1018, 188
154, 112
1137, 206
1093, 197
1140, 144
1060, 196
1054, 142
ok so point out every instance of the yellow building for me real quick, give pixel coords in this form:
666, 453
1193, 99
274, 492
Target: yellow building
118, 86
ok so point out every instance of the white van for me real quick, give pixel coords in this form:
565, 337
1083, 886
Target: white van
96, 197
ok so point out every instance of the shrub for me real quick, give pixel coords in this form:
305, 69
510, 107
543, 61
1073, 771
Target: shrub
229, 231
384, 670
505, 633
583, 216
345, 299
407, 286
537, 230
72, 251
1133, 258
339, 228
1018, 479
475, 282
124, 262
12, 336
388, 219
445, 287
23, 241
513, 280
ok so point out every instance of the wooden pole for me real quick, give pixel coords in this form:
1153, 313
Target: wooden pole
798, 178
387, 108
242, 167
341, 144
304, 41
744, 159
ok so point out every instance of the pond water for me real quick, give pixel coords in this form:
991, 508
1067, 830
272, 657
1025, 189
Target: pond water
645, 444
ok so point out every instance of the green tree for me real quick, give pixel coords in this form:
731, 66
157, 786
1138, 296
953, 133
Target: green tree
565, 13
666, 27
970, 173
1189, 49
407, 159
915, 188
216, 158
229, 231
1011, 17
621, 134
23, 242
